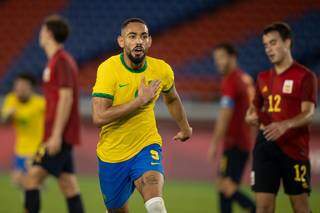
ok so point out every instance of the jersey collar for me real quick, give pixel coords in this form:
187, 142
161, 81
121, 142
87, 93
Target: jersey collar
285, 71
142, 69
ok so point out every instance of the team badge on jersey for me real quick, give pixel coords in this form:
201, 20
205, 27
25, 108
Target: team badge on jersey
287, 86
46, 74
264, 89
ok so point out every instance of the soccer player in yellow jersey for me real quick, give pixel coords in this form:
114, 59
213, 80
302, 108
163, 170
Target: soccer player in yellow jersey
124, 95
25, 110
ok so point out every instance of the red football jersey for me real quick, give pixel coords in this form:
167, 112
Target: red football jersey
61, 71
236, 89
279, 97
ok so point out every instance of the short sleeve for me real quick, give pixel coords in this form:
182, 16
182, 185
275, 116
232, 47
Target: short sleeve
228, 93
228, 88
258, 98
8, 104
168, 80
63, 73
105, 82
42, 104
309, 88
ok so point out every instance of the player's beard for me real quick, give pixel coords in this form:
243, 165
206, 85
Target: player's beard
23, 98
136, 60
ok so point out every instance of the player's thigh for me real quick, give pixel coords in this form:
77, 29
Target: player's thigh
150, 184
233, 163
224, 180
17, 177
231, 170
68, 184
265, 202
266, 168
147, 171
116, 184
57, 163
300, 203
296, 176
227, 186
34, 177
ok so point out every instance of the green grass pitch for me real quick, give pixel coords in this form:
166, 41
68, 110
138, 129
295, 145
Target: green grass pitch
180, 197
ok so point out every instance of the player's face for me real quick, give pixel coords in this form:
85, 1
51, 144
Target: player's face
275, 48
222, 60
136, 41
22, 88
43, 36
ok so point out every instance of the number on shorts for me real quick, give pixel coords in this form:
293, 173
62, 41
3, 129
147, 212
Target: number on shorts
154, 155
301, 171
223, 164
40, 153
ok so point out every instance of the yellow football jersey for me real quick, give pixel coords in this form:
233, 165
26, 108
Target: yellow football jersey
28, 121
124, 138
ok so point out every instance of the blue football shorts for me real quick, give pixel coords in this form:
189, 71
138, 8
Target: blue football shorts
117, 179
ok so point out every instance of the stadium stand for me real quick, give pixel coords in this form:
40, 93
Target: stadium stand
196, 27
18, 20
106, 19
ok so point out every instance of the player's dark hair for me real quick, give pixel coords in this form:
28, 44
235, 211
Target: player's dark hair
58, 26
282, 28
132, 20
228, 47
28, 77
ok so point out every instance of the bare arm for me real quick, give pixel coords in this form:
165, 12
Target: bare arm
6, 118
104, 113
222, 123
305, 117
63, 111
7, 111
252, 116
225, 114
274, 130
175, 107
64, 105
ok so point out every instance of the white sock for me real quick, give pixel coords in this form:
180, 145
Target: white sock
155, 205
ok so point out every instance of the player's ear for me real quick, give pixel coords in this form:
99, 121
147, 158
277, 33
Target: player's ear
150, 41
48, 34
288, 43
120, 40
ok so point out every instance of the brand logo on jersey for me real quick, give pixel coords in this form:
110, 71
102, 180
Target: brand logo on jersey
46, 75
287, 86
154, 163
264, 89
123, 85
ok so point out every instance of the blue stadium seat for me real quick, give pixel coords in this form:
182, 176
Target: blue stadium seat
251, 53
95, 25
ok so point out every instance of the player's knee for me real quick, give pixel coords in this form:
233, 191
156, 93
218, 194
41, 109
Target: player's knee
301, 211
151, 185
264, 208
68, 185
151, 180
227, 187
33, 179
155, 205
17, 178
219, 182
300, 208
120, 210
